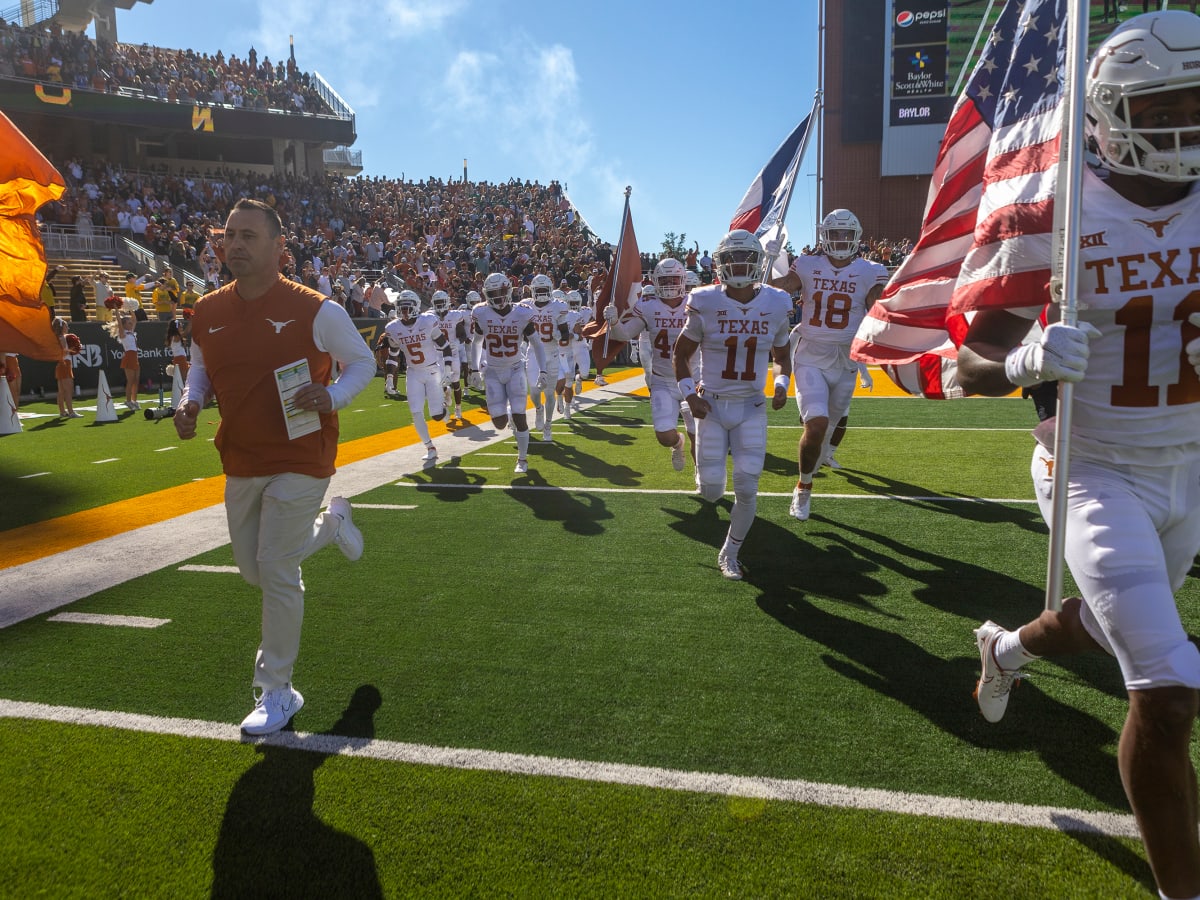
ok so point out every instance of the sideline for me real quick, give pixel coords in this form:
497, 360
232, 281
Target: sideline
778, 789
43, 567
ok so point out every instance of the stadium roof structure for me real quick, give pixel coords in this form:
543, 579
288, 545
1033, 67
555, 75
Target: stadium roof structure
72, 15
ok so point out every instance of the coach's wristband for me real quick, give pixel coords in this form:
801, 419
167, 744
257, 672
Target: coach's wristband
687, 387
781, 382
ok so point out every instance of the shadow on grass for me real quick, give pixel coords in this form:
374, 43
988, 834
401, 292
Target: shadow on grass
1115, 852
580, 513
570, 456
796, 583
272, 844
447, 482
29, 500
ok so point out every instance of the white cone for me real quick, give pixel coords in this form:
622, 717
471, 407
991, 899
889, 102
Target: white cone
105, 410
176, 387
10, 422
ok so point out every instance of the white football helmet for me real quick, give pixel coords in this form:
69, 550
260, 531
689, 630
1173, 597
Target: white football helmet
839, 233
541, 286
556, 294
441, 302
739, 259
669, 279
648, 292
497, 290
473, 298
691, 281
1150, 54
408, 304
574, 300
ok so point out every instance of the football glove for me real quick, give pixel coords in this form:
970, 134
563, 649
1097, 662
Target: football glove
773, 247
1060, 354
476, 380
542, 380
1192, 349
611, 314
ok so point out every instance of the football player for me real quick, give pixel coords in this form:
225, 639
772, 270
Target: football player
502, 328
836, 289
420, 336
736, 326
660, 316
564, 390
581, 346
454, 324
1132, 510
549, 308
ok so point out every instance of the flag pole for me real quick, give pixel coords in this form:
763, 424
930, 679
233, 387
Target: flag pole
1064, 280
615, 272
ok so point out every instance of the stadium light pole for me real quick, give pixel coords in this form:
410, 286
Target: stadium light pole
821, 117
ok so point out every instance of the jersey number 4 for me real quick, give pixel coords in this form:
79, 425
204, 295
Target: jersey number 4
1138, 317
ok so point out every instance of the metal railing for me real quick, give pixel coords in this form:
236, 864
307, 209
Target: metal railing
146, 258
68, 240
30, 13
342, 156
325, 91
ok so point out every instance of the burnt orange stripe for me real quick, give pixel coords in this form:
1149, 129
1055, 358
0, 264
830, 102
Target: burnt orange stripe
41, 539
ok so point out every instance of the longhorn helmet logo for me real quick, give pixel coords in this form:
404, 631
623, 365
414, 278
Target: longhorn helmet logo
1158, 226
279, 326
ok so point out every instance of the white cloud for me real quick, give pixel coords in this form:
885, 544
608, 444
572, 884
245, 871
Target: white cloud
411, 17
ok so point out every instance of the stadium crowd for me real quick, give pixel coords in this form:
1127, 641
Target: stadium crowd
49, 54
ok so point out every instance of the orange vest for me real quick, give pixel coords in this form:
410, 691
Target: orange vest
243, 343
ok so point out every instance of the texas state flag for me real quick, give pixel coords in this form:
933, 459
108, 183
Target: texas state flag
766, 198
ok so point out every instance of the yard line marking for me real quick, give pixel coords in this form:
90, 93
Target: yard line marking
785, 790
165, 449
196, 567
691, 492
34, 475
471, 468
384, 505
99, 619
921, 428
485, 453
97, 462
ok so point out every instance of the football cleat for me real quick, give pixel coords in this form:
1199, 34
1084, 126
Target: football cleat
801, 501
521, 468
995, 684
730, 567
677, 455
831, 462
539, 419
547, 436
558, 404
430, 454
578, 385
601, 381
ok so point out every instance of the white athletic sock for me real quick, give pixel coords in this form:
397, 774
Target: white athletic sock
522, 443
1010, 653
420, 427
731, 546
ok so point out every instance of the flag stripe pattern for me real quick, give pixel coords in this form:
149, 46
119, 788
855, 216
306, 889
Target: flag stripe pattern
986, 234
766, 198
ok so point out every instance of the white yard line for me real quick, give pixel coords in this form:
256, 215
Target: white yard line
779, 789
217, 570
100, 619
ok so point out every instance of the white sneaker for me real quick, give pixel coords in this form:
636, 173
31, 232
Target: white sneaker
430, 455
348, 538
522, 467
546, 435
801, 500
831, 462
677, 456
273, 709
539, 419
601, 381
995, 683
74, 415
730, 567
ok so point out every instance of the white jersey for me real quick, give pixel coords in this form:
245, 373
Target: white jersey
1139, 401
736, 338
662, 324
416, 340
502, 334
547, 318
575, 317
834, 304
450, 321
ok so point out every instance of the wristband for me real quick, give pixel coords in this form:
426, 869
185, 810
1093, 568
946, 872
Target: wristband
687, 387
781, 382
1018, 365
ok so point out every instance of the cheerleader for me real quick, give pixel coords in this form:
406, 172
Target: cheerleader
122, 329
69, 346
176, 349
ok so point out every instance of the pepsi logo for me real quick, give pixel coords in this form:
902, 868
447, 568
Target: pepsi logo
905, 18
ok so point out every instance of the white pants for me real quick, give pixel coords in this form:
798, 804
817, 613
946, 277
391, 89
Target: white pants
505, 389
274, 525
666, 405
1132, 536
732, 427
532, 371
824, 392
424, 385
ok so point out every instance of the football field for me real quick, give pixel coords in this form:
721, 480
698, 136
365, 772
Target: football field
540, 685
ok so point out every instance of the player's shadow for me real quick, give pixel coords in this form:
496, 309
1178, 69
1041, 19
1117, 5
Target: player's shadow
580, 513
777, 465
955, 586
796, 586
603, 435
570, 456
272, 844
1027, 517
448, 482
1112, 850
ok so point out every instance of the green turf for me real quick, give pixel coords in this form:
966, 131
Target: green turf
593, 625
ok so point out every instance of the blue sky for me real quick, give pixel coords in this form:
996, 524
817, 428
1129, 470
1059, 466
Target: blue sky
684, 102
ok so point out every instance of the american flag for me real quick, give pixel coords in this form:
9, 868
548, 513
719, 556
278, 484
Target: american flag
986, 235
